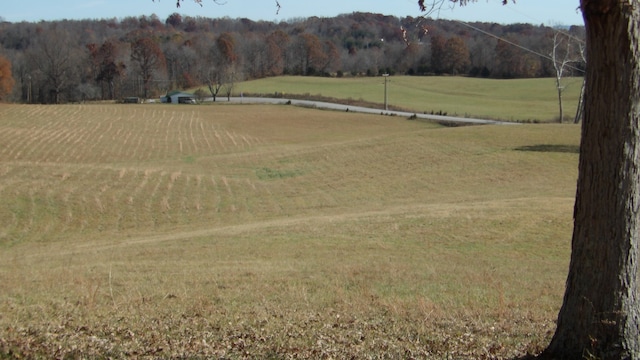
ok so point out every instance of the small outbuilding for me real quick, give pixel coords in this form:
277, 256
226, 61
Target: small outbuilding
178, 97
131, 100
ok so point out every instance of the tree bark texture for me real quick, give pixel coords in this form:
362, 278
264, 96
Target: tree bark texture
600, 314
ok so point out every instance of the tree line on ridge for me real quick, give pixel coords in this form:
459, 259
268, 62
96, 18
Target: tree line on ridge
76, 60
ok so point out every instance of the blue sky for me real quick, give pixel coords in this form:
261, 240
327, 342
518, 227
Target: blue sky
548, 12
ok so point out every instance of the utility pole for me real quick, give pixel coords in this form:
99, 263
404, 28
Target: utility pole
386, 98
29, 89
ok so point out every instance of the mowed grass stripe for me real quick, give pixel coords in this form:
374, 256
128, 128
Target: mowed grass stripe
15, 139
350, 173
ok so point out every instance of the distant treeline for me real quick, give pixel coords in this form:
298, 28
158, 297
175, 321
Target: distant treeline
69, 60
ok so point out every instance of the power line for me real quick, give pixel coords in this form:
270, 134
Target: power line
556, 28
514, 44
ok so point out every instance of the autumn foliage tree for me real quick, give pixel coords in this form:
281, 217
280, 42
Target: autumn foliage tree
226, 45
438, 53
310, 54
174, 20
107, 66
331, 59
277, 42
6, 78
513, 62
456, 56
227, 61
148, 57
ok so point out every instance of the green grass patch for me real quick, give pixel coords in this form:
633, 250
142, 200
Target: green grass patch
266, 173
189, 159
523, 100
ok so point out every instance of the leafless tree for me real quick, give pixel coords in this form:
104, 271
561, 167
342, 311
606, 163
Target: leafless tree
52, 58
562, 56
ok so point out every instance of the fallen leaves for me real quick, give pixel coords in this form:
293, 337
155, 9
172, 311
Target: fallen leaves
295, 335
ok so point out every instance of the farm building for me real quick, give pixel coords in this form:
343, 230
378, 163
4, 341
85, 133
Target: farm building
178, 97
131, 100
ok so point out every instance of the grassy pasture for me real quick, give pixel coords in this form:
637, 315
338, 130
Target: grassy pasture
522, 100
273, 231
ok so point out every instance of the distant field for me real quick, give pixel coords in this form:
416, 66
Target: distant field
275, 231
513, 100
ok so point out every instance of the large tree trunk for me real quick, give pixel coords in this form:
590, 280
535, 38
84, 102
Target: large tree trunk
600, 314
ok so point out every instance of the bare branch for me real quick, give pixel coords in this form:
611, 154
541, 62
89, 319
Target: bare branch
430, 6
199, 2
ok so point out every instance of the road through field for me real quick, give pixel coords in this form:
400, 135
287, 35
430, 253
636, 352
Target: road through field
361, 109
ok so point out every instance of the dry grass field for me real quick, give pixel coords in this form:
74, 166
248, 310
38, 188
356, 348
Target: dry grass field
230, 231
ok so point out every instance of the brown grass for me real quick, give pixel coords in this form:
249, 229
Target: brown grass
277, 232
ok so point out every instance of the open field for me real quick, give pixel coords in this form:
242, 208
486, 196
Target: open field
234, 231
523, 100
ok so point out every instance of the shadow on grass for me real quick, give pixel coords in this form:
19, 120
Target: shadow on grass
573, 149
